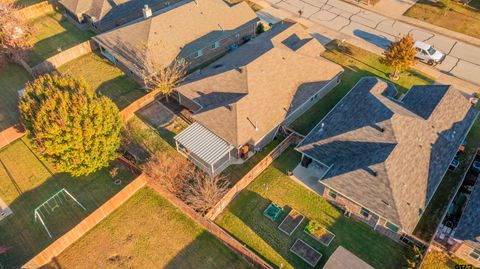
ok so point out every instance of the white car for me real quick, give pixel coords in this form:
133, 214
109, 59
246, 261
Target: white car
428, 54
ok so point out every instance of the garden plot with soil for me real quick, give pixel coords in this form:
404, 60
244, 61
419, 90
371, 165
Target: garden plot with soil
306, 252
319, 233
291, 222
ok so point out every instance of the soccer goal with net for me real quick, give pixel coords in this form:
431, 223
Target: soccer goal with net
51, 204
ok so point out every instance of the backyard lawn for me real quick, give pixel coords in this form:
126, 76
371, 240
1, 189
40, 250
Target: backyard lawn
462, 19
53, 33
26, 181
12, 79
106, 78
23, 3
357, 63
148, 232
244, 219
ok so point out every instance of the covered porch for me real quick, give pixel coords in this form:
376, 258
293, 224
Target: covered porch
205, 149
309, 173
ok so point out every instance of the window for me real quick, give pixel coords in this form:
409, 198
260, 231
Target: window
365, 212
332, 194
216, 45
392, 227
475, 254
198, 53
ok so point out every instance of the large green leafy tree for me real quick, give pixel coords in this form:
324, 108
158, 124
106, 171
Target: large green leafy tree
71, 125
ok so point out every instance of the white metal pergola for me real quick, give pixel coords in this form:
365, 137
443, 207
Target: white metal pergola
207, 150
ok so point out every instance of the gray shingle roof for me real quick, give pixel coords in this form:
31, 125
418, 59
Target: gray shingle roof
259, 84
111, 10
175, 33
468, 228
344, 259
390, 155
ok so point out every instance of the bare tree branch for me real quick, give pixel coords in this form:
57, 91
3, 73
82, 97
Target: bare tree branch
15, 34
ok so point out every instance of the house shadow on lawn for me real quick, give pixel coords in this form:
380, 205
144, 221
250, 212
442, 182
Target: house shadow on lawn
25, 237
357, 237
206, 251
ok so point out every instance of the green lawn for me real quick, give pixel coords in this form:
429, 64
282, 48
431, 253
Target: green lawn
357, 63
148, 232
54, 32
26, 181
462, 19
24, 3
244, 219
106, 78
445, 192
12, 79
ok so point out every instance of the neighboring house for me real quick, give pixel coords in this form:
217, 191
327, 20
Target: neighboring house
344, 259
467, 233
380, 158
103, 15
240, 101
196, 33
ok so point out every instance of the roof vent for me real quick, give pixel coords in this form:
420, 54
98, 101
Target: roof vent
147, 12
321, 127
371, 171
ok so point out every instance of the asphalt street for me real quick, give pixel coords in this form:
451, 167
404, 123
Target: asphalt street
462, 60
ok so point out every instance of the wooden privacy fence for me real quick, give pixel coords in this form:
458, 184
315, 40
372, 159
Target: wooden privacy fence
61, 58
59, 245
250, 176
214, 229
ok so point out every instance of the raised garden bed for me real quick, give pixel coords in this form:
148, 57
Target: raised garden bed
273, 212
291, 222
306, 252
319, 233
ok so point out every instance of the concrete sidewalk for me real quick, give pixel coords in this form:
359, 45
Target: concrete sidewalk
335, 19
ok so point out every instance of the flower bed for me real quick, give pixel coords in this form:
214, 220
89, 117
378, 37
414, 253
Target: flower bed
291, 222
319, 233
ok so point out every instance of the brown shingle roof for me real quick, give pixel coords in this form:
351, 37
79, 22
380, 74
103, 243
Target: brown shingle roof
251, 91
178, 32
389, 155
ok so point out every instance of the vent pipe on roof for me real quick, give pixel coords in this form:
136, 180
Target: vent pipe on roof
147, 12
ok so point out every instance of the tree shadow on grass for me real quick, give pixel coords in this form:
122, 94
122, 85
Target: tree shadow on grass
122, 90
26, 238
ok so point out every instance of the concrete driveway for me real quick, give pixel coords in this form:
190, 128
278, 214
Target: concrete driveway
462, 61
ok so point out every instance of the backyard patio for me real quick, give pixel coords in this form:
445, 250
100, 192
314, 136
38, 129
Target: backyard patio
245, 219
26, 181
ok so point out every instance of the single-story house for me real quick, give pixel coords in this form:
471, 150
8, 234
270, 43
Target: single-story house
240, 101
344, 259
381, 158
195, 33
103, 15
466, 235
